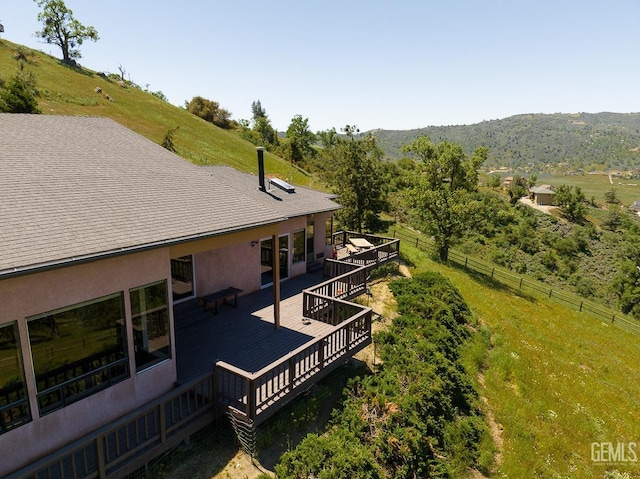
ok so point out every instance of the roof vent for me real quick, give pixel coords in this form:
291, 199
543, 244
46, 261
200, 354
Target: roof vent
283, 185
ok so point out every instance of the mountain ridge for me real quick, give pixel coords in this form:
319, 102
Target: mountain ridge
534, 139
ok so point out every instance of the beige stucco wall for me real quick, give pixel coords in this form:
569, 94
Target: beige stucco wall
543, 198
237, 264
28, 295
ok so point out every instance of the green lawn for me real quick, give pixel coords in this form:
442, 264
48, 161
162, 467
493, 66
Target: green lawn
556, 380
627, 191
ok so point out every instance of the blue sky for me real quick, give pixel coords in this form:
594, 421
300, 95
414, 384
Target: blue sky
377, 64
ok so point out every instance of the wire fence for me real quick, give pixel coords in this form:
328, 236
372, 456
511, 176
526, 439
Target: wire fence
519, 282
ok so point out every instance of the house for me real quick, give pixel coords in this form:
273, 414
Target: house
635, 207
506, 183
542, 195
103, 234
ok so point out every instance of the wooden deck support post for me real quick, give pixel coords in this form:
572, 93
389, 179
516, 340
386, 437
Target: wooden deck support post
276, 281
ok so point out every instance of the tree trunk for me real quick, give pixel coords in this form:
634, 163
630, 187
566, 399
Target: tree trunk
443, 251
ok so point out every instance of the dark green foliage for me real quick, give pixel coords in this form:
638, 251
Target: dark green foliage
626, 283
517, 189
611, 197
571, 200
19, 94
418, 415
353, 168
210, 111
261, 132
167, 141
300, 139
612, 219
442, 199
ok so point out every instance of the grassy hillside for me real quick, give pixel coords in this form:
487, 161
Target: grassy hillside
555, 380
71, 91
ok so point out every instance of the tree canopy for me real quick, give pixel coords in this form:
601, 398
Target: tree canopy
60, 28
210, 111
353, 169
300, 139
441, 198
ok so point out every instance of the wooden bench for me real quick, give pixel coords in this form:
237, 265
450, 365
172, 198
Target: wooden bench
352, 249
210, 301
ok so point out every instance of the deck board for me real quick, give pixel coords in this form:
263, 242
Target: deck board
244, 336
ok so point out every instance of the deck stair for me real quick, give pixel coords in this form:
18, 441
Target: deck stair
245, 430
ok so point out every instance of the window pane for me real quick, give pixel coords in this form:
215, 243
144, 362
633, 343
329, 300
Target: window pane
329, 231
78, 351
150, 316
14, 404
182, 277
298, 246
283, 243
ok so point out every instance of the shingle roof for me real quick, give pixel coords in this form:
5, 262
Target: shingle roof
78, 187
303, 202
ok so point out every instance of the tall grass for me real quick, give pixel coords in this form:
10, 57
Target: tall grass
556, 380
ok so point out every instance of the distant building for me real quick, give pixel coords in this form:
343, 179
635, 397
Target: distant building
635, 207
542, 195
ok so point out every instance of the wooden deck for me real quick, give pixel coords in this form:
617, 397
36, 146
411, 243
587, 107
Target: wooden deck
245, 336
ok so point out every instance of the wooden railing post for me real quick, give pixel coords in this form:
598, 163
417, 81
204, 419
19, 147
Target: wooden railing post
292, 372
251, 399
321, 352
102, 465
163, 422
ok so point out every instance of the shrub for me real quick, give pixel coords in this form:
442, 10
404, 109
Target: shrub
418, 416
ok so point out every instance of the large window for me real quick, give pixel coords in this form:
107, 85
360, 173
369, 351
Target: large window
150, 316
298, 246
78, 351
14, 403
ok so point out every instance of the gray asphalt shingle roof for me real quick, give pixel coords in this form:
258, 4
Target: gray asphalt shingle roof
78, 187
303, 202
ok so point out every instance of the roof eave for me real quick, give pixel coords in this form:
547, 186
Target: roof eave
76, 260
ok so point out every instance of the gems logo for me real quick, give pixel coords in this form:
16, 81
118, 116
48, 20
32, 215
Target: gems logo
610, 453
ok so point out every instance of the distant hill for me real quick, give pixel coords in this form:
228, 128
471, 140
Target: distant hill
66, 90
581, 139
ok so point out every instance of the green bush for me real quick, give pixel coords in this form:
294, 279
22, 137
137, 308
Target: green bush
418, 416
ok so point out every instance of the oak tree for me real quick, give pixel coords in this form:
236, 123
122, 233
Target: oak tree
442, 197
60, 28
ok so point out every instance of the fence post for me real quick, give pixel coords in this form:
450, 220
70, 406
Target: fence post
520, 283
466, 258
581, 306
492, 270
416, 242
550, 291
613, 318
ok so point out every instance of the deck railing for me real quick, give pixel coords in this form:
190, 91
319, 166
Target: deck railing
259, 395
128, 444
255, 394
384, 250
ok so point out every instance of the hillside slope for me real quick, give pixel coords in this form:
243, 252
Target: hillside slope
66, 90
581, 139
